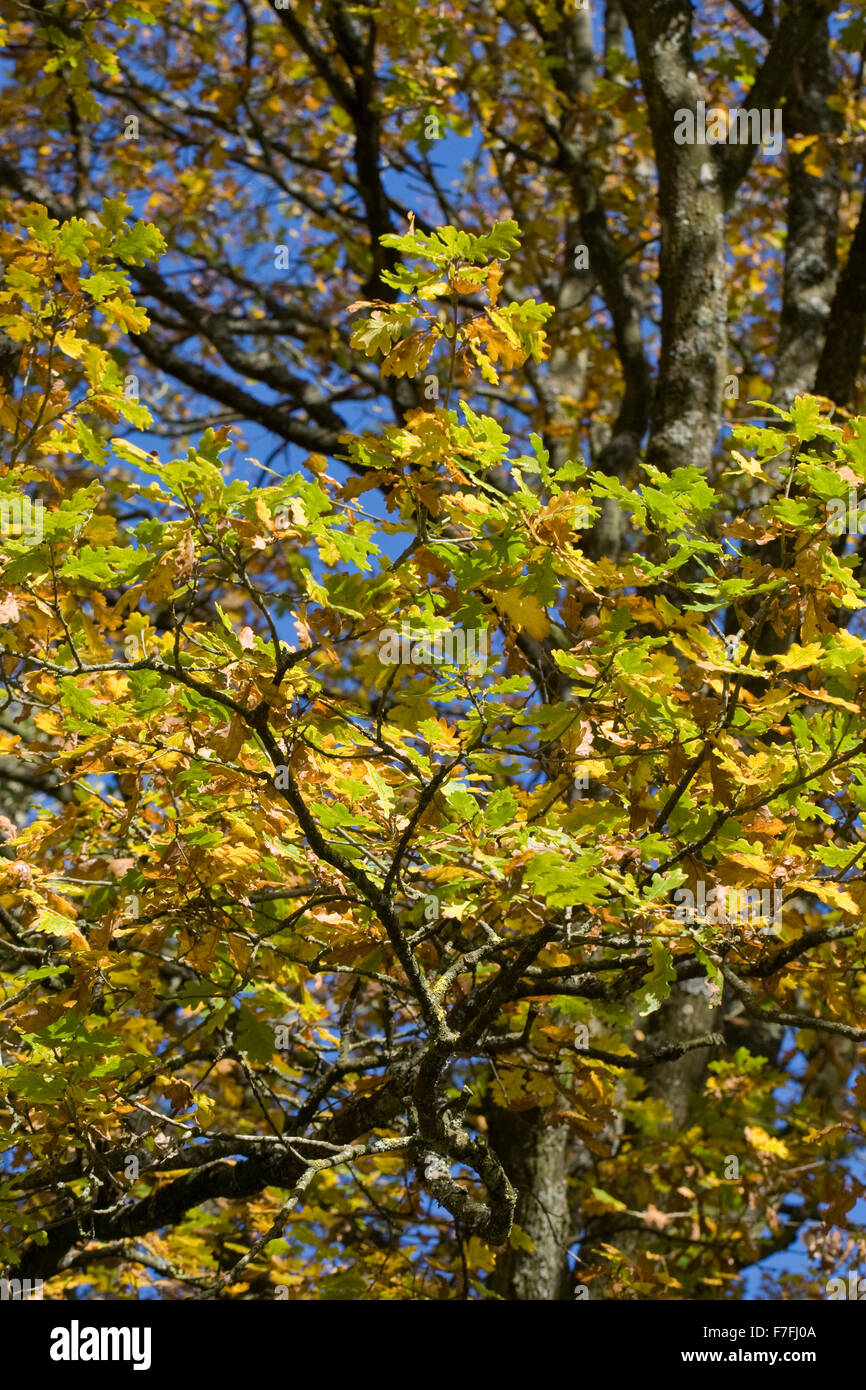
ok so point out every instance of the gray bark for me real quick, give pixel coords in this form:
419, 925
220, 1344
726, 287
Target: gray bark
692, 263
533, 1153
813, 228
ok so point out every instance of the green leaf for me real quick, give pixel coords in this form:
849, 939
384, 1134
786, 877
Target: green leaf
566, 884
500, 809
463, 802
605, 1198
254, 1037
519, 1240
375, 334
656, 986
103, 283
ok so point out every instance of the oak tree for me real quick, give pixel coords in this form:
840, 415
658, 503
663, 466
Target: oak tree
432, 752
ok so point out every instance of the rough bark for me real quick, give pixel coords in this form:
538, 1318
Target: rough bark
846, 330
688, 1012
533, 1153
813, 226
692, 262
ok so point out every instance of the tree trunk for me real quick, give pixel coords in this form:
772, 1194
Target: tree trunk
533, 1153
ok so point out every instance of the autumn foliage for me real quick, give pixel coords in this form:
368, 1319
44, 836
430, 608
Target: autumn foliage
304, 949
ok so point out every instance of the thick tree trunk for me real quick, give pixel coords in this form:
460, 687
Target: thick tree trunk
846, 328
688, 1012
813, 226
533, 1153
692, 275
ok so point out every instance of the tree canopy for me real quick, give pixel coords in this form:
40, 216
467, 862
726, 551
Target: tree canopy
433, 745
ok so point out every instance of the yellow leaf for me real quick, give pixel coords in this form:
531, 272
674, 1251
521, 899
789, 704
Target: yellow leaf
751, 467
203, 953
824, 699
765, 1143
409, 355
519, 1240
799, 143
525, 611
487, 369
796, 658
205, 1108
837, 897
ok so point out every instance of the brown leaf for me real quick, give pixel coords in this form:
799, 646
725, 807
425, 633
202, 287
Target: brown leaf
654, 1217
178, 1093
185, 557
9, 609
724, 786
